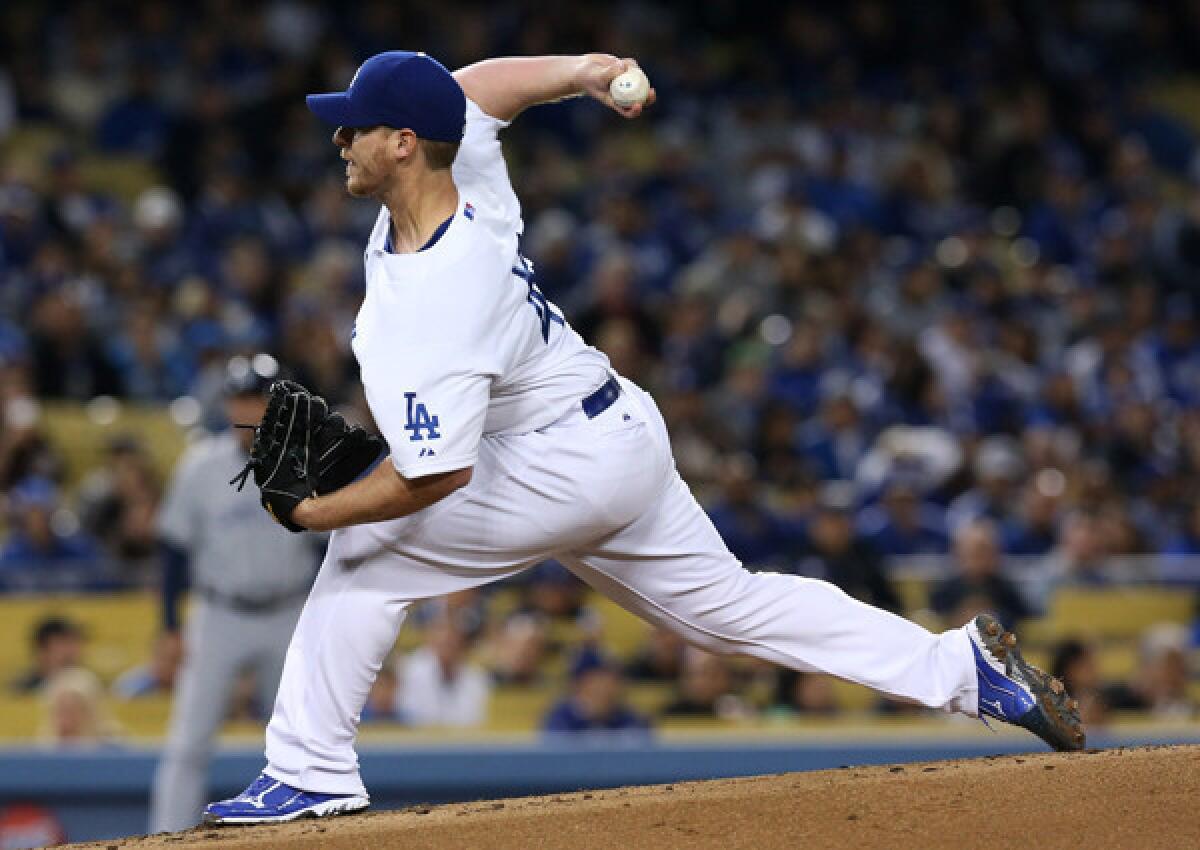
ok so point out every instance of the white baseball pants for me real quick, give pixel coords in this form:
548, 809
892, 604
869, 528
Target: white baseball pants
602, 496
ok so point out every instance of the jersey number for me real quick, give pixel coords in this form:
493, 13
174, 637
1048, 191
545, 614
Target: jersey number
545, 311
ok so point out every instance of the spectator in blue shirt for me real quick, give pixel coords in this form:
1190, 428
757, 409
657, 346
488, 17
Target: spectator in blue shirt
1034, 530
1187, 540
158, 218
750, 529
596, 702
902, 523
833, 443
37, 550
138, 123
152, 365
1175, 349
795, 379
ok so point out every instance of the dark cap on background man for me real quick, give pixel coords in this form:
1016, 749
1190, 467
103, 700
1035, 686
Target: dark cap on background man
398, 89
54, 626
589, 660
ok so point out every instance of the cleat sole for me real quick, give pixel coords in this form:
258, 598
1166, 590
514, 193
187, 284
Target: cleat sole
1055, 716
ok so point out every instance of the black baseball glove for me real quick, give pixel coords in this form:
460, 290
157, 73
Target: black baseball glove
302, 449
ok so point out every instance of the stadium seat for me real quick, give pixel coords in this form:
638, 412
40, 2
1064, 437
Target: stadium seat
623, 632
34, 142
851, 697
913, 591
82, 440
519, 709
144, 718
1118, 662
20, 717
123, 176
1115, 613
649, 699
1179, 95
119, 629
502, 602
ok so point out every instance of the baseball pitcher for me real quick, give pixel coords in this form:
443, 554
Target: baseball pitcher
512, 441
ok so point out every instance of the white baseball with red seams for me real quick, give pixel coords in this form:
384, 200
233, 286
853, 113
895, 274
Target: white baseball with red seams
629, 88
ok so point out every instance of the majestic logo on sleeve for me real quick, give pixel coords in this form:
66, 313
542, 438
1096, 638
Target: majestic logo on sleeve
420, 425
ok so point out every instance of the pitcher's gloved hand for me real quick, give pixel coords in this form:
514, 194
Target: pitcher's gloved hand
301, 449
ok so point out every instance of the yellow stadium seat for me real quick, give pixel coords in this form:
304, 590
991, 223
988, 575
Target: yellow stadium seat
119, 629
1179, 96
565, 634
1118, 662
20, 717
1115, 613
82, 438
145, 717
519, 709
513, 708
693, 725
33, 141
410, 638
649, 699
1037, 656
913, 592
1035, 632
623, 632
123, 176
851, 697
501, 603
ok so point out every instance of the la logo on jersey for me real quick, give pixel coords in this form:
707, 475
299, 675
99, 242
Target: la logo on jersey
420, 421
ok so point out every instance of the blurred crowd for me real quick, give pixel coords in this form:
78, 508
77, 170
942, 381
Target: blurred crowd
907, 279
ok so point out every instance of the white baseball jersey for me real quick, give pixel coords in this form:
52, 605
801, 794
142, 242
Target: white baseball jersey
456, 341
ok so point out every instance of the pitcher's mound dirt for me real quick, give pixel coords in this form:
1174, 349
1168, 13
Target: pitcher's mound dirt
1112, 799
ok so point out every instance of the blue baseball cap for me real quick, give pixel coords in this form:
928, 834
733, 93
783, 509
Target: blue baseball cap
588, 660
398, 89
33, 491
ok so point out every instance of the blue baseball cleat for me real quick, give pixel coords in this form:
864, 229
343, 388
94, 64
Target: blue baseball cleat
1013, 690
268, 800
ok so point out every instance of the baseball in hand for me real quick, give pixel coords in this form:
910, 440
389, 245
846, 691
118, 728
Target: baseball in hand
630, 88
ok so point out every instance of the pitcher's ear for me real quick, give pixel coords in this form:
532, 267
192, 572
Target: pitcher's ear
404, 143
